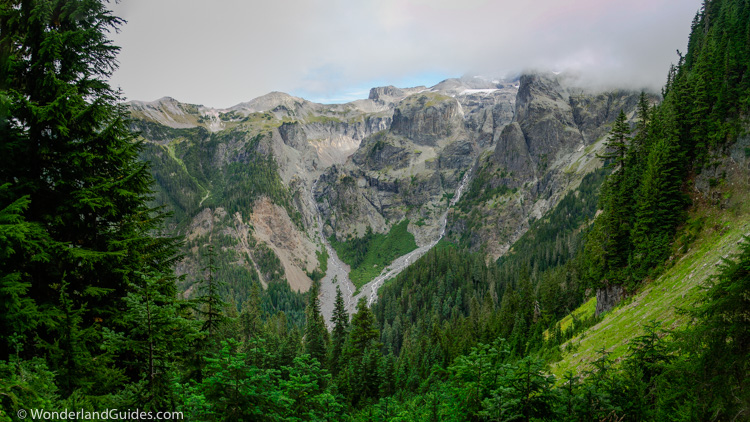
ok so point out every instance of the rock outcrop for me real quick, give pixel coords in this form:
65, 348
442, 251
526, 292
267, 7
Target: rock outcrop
551, 143
426, 118
399, 154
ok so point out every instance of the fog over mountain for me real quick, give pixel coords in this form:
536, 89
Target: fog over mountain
224, 52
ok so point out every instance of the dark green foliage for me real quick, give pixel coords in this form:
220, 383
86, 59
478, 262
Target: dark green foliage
27, 384
721, 340
362, 379
316, 334
239, 391
152, 340
368, 255
618, 142
210, 301
661, 203
74, 192
89, 319
18, 311
705, 102
340, 332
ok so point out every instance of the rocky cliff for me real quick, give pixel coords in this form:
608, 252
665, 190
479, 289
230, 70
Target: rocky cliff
268, 181
551, 143
240, 178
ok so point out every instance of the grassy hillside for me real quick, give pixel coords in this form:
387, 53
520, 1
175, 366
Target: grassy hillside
680, 286
368, 255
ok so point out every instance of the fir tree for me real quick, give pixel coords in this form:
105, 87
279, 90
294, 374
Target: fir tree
211, 301
155, 336
19, 313
340, 321
362, 354
316, 334
617, 143
640, 140
250, 318
66, 150
723, 337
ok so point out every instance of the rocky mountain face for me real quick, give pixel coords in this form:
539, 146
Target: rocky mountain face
268, 182
551, 143
239, 180
411, 170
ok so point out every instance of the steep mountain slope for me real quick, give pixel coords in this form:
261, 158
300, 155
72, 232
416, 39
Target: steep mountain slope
552, 142
270, 181
718, 223
239, 179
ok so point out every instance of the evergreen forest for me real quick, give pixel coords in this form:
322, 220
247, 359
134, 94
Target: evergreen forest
91, 315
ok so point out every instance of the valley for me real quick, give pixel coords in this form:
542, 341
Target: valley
530, 248
402, 154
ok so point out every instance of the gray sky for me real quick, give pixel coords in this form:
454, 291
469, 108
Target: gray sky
222, 52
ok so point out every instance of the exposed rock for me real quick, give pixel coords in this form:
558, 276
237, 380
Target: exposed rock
390, 94
425, 118
398, 154
458, 155
379, 152
538, 157
295, 250
546, 118
592, 113
608, 297
512, 155
293, 135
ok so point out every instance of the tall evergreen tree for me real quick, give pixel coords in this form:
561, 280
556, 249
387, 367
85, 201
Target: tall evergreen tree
362, 354
212, 305
19, 313
316, 334
640, 140
340, 321
66, 150
250, 318
617, 143
155, 335
723, 335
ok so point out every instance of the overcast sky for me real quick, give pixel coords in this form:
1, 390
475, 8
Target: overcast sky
222, 52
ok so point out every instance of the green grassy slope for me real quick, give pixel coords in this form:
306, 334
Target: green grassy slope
680, 285
367, 256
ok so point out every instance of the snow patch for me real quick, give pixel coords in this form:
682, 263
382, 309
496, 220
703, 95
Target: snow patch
478, 91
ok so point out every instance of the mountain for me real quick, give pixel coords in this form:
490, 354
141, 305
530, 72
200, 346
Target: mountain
273, 183
621, 288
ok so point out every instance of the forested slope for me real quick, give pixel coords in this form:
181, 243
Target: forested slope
91, 317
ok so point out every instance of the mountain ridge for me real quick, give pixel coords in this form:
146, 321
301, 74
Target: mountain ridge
400, 154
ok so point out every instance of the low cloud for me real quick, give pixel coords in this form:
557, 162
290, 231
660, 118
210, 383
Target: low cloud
223, 52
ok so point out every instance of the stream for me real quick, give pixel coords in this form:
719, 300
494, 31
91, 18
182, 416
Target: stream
338, 271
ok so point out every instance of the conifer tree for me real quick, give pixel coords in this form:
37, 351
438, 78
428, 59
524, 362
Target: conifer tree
340, 321
362, 352
66, 150
617, 143
364, 332
640, 140
154, 338
723, 338
316, 334
250, 318
211, 301
19, 313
